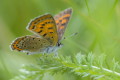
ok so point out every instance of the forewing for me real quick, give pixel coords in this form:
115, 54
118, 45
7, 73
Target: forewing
62, 20
45, 26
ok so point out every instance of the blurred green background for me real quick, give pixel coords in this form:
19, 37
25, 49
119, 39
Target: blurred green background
96, 21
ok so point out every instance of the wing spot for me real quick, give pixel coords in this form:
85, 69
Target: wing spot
33, 27
60, 20
52, 21
43, 42
57, 24
35, 22
40, 31
46, 22
63, 24
38, 20
44, 34
43, 24
50, 17
41, 27
52, 37
33, 38
66, 18
50, 32
50, 28
18, 47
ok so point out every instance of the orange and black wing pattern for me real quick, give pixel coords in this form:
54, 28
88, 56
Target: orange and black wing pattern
62, 20
45, 27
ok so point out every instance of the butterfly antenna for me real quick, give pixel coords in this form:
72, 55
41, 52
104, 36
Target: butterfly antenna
73, 34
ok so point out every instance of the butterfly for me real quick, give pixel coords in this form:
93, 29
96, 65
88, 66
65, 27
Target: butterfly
48, 32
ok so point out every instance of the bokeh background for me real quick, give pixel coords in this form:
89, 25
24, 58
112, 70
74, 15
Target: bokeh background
96, 21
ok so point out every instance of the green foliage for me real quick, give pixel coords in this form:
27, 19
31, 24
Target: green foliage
97, 23
77, 67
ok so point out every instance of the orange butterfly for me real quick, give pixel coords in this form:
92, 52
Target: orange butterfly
49, 32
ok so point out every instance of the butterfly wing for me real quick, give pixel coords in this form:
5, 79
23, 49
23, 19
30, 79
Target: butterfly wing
45, 27
30, 44
62, 20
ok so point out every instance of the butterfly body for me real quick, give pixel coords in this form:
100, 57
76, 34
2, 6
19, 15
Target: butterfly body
48, 34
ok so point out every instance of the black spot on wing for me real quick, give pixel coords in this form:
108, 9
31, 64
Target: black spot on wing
48, 22
50, 32
52, 22
40, 31
41, 27
43, 24
57, 24
60, 20
35, 22
52, 37
33, 27
39, 20
44, 34
33, 38
63, 24
67, 18
50, 28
